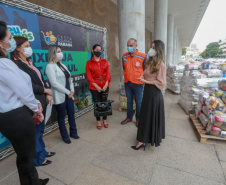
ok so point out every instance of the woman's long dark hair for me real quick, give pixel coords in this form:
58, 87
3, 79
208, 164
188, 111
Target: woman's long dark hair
3, 28
94, 47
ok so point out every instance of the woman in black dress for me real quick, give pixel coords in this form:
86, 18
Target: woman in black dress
151, 127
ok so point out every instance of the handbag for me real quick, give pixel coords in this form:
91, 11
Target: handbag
103, 108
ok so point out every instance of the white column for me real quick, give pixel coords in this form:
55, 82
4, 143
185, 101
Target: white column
131, 21
170, 37
179, 51
161, 13
175, 45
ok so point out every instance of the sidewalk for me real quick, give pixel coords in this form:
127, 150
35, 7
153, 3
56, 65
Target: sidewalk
104, 157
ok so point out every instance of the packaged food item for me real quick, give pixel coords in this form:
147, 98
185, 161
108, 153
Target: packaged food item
215, 103
215, 131
218, 93
204, 119
223, 134
219, 120
222, 84
195, 74
193, 66
177, 68
206, 110
223, 97
203, 96
175, 75
212, 73
205, 65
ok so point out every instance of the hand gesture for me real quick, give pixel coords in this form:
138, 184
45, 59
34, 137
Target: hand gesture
141, 79
105, 86
48, 91
71, 94
49, 99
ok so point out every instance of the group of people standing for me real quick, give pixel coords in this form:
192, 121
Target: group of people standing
145, 79
24, 95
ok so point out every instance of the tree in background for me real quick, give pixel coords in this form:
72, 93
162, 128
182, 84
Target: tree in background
212, 50
184, 51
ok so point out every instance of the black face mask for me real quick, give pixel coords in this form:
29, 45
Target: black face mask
97, 53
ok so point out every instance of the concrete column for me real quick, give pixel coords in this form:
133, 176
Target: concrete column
179, 51
161, 13
131, 21
170, 34
175, 45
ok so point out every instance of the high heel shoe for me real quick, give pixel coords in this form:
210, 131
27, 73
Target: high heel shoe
105, 125
99, 127
137, 148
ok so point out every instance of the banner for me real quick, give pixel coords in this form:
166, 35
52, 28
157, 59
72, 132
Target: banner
42, 32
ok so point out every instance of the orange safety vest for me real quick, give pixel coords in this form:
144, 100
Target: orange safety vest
133, 66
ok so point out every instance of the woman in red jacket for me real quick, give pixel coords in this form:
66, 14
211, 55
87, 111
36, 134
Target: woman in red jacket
99, 77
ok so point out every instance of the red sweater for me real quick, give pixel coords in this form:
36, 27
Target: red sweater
98, 72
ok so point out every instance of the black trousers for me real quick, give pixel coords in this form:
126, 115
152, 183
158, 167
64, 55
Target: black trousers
100, 97
18, 126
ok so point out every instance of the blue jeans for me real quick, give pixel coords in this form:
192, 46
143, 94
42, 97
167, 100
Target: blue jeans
61, 113
137, 91
40, 151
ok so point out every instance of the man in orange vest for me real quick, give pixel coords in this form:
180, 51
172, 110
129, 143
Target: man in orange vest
133, 64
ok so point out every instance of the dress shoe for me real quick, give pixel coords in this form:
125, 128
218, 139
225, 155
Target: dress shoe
51, 154
68, 141
75, 137
105, 125
99, 127
137, 123
138, 148
46, 163
44, 181
127, 120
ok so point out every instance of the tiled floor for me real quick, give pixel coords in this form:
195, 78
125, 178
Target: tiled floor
104, 157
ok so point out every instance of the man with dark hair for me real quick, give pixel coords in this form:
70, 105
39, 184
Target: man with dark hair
133, 63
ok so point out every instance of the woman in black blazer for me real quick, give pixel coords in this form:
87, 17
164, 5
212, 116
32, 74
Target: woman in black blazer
21, 57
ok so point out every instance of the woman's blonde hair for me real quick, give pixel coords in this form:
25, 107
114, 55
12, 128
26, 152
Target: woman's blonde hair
155, 62
52, 51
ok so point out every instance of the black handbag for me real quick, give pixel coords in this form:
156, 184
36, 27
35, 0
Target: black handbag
103, 108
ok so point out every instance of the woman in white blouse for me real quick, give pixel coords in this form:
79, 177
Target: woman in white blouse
17, 107
63, 92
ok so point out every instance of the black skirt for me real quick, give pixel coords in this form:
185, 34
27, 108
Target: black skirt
151, 127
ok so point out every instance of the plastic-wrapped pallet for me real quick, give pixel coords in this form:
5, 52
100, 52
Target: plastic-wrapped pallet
189, 92
195, 81
211, 112
174, 75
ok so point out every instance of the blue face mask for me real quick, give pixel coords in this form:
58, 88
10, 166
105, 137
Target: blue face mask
130, 49
12, 43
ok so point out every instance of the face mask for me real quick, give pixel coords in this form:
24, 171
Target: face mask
152, 53
28, 52
130, 49
97, 53
59, 56
12, 43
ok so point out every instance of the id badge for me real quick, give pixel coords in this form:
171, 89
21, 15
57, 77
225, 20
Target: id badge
137, 64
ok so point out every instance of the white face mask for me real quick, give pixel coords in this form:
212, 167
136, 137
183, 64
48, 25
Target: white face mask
152, 53
59, 56
28, 52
